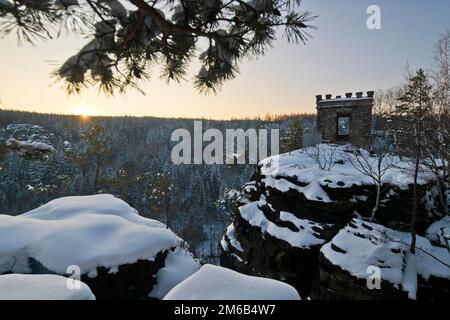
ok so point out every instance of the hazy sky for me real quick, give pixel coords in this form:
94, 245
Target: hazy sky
343, 56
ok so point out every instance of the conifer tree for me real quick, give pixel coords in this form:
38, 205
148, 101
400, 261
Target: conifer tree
94, 154
294, 137
161, 192
2, 150
414, 108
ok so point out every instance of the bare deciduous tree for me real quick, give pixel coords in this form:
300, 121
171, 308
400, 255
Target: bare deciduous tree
385, 101
323, 156
374, 167
437, 135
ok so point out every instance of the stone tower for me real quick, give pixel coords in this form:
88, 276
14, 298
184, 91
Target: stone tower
345, 120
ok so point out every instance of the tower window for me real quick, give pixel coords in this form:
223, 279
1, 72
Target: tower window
343, 126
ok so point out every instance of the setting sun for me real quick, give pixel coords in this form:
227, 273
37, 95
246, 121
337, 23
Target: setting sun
84, 111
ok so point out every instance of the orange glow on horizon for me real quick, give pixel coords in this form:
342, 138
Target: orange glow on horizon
85, 112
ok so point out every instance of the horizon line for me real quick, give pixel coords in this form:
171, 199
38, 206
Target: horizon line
264, 117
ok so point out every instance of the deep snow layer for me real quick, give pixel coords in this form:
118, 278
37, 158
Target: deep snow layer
88, 232
42, 287
304, 166
217, 283
439, 232
362, 245
179, 265
306, 237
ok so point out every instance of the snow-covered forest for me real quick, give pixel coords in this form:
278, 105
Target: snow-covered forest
134, 165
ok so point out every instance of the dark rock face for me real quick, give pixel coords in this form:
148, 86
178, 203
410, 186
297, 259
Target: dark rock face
267, 256
433, 289
264, 254
131, 281
365, 245
333, 283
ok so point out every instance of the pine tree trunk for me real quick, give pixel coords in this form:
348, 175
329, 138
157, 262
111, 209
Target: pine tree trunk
444, 181
168, 222
415, 198
97, 173
442, 195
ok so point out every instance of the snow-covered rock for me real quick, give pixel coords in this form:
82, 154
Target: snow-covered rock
28, 132
30, 145
217, 283
230, 238
84, 231
5, 4
30, 149
439, 232
305, 236
304, 165
178, 266
362, 246
103, 236
297, 202
42, 287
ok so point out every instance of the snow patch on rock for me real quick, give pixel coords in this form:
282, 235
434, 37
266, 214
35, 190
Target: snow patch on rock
305, 238
312, 191
231, 235
303, 165
30, 145
439, 232
88, 232
42, 287
361, 245
217, 283
179, 265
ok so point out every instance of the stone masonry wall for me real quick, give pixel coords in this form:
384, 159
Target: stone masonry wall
359, 110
